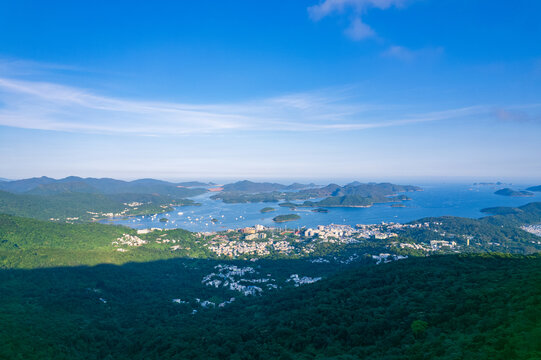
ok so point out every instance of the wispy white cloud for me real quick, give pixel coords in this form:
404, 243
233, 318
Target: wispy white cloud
19, 67
404, 54
357, 30
48, 106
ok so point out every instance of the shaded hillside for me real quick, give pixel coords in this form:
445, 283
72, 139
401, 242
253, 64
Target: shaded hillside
431, 308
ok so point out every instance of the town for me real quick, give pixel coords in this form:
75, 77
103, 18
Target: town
271, 242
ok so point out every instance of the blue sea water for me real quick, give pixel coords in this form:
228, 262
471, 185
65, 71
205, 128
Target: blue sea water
434, 200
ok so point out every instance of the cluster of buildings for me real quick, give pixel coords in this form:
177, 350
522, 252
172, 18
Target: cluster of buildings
387, 258
345, 234
298, 280
239, 279
261, 241
434, 245
330, 232
533, 229
97, 215
128, 240
258, 240
236, 248
204, 303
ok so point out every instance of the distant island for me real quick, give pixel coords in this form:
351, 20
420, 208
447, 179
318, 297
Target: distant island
353, 201
534, 188
398, 205
499, 183
267, 209
246, 186
289, 205
354, 194
284, 218
513, 193
320, 210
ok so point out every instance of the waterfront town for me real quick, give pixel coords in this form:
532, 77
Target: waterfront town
261, 241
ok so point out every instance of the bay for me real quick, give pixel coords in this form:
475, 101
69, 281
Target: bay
463, 200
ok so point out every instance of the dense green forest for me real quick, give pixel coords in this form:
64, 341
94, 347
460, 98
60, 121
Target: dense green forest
29, 243
451, 307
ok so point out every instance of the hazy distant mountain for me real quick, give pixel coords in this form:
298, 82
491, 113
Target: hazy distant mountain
298, 186
356, 188
48, 186
18, 186
534, 188
253, 187
59, 188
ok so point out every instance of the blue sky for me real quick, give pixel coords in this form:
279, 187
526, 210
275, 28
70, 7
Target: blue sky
320, 89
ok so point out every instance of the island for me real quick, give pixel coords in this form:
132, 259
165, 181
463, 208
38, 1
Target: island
164, 220
267, 210
289, 205
398, 205
354, 194
499, 183
534, 188
320, 210
513, 193
285, 218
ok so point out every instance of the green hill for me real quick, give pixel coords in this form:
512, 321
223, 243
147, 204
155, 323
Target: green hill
29, 243
85, 206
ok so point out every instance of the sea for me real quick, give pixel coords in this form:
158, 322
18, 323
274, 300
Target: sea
464, 200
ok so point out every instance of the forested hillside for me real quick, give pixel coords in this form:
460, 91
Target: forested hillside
452, 307
75, 206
